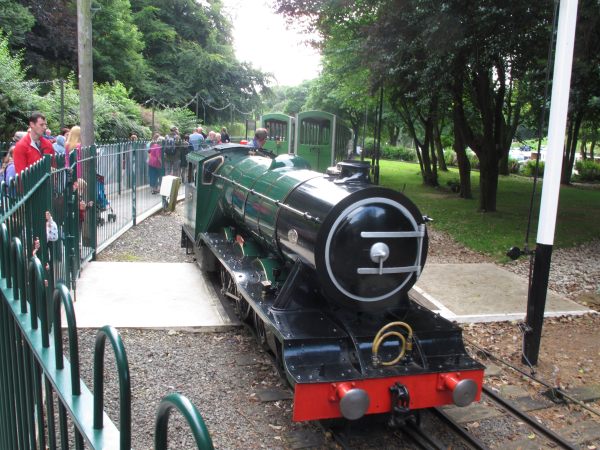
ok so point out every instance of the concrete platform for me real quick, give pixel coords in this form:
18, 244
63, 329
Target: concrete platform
147, 295
177, 295
482, 293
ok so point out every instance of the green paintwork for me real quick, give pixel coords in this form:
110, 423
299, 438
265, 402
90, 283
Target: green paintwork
322, 139
281, 132
267, 267
218, 203
314, 138
191, 415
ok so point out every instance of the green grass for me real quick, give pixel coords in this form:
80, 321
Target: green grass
578, 218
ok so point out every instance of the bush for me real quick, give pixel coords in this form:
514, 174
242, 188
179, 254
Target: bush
513, 166
18, 97
588, 170
450, 158
473, 159
529, 168
398, 153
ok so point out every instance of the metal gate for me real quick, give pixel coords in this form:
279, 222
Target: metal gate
43, 401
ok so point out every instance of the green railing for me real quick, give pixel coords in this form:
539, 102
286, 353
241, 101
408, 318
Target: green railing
43, 401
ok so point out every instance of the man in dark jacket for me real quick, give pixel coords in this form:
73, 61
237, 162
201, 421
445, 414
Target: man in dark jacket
32, 147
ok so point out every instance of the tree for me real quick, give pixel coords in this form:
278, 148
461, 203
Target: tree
51, 45
585, 81
16, 21
424, 51
189, 51
117, 46
18, 97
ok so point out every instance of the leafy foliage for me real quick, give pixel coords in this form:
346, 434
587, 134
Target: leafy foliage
529, 169
17, 95
17, 19
117, 46
588, 170
168, 50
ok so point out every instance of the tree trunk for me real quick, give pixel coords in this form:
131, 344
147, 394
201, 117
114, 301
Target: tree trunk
429, 173
356, 131
460, 143
439, 149
418, 152
434, 164
583, 149
394, 132
503, 166
571, 148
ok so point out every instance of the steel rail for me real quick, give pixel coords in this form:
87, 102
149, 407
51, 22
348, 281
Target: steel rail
455, 426
512, 409
557, 390
419, 437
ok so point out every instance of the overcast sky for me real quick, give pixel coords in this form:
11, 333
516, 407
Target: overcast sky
260, 36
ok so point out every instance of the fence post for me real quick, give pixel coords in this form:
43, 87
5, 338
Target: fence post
93, 163
122, 365
71, 218
120, 168
191, 415
133, 181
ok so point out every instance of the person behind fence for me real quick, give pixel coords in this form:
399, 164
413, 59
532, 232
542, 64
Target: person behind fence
18, 136
74, 143
185, 147
59, 145
8, 170
155, 162
32, 147
196, 138
211, 139
48, 135
225, 136
171, 151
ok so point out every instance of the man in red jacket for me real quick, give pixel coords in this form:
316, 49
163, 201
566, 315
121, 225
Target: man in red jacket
31, 147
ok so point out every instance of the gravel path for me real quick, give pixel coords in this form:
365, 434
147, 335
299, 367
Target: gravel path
224, 374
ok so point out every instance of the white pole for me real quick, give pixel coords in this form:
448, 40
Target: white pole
559, 106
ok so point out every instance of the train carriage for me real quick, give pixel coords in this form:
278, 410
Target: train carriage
280, 128
320, 267
322, 139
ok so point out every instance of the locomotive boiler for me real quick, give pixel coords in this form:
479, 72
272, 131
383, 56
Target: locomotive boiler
321, 266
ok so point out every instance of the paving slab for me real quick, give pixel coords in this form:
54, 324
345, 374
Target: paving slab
589, 393
483, 292
473, 412
148, 295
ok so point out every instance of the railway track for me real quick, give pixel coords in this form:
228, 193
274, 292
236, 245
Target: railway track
436, 429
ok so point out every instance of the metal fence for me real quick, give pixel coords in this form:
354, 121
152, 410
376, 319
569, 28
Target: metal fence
43, 401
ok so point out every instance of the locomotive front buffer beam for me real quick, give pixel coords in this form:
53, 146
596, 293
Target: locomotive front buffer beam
396, 395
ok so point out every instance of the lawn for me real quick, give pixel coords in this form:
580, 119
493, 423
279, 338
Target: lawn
578, 218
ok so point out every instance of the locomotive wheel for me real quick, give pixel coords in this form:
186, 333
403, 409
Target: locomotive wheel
242, 309
229, 289
259, 329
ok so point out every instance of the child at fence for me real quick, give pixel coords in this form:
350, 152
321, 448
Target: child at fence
80, 189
